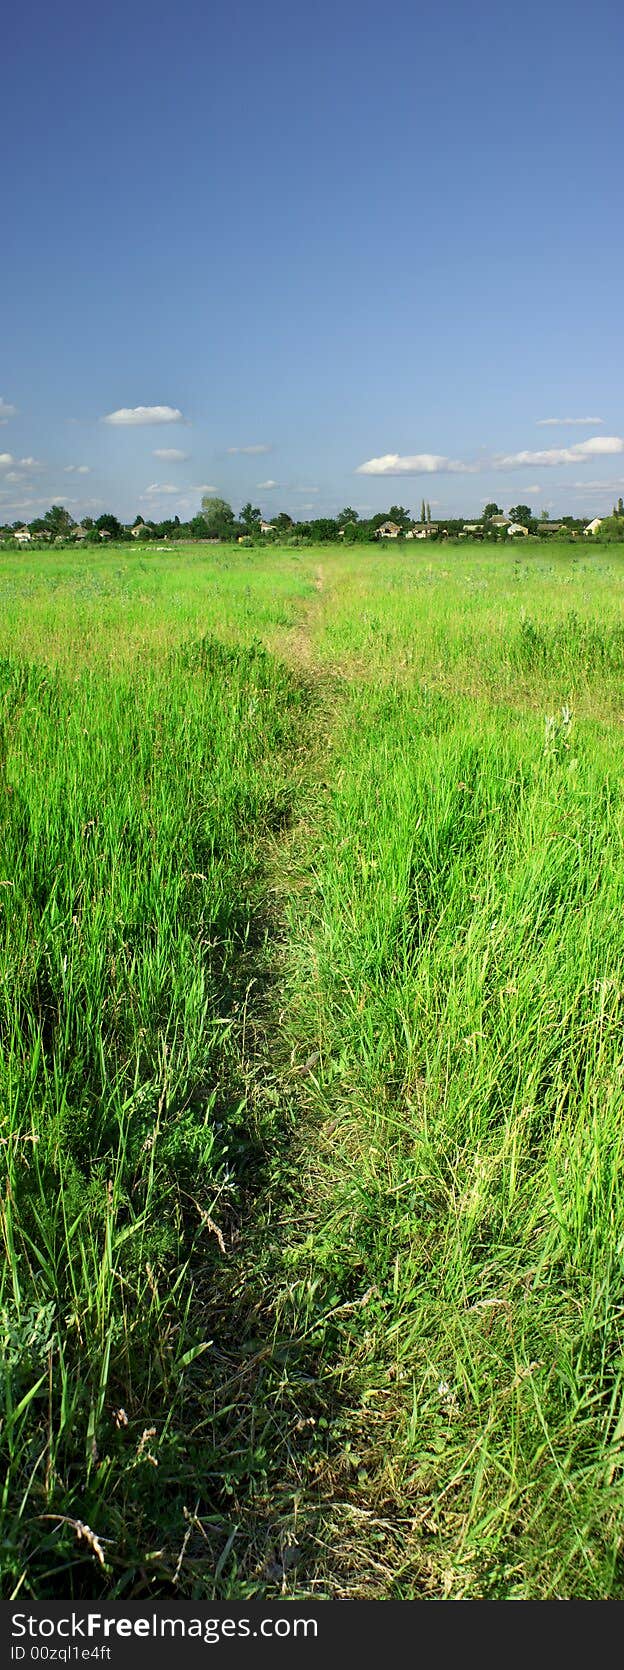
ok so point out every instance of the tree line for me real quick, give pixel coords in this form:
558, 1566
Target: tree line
217, 520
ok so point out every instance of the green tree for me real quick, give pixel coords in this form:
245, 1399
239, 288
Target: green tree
610, 530
251, 517
218, 517
283, 522
109, 524
347, 515
491, 510
166, 528
58, 520
398, 513
521, 513
325, 528
428, 511
423, 511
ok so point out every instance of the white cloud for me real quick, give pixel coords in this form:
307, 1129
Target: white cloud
77, 469
6, 411
534, 487
204, 487
420, 463
24, 504
23, 465
250, 451
157, 487
7, 461
126, 416
267, 485
171, 454
435, 463
305, 489
598, 446
561, 423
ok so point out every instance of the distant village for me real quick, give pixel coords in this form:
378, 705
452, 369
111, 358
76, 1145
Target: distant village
217, 523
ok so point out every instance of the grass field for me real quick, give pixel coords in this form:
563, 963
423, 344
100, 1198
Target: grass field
312, 1072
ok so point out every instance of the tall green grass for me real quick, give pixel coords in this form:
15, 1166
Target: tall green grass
118, 606
462, 976
344, 984
485, 625
131, 812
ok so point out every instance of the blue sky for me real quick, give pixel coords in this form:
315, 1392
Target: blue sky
290, 242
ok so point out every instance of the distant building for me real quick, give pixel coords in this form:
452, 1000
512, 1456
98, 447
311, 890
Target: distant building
550, 527
388, 530
592, 527
422, 530
104, 533
499, 521
472, 530
138, 530
516, 528
80, 532
267, 527
22, 535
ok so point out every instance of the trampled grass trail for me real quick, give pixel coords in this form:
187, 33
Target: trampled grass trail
312, 1059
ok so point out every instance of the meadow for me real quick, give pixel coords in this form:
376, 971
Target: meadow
312, 1072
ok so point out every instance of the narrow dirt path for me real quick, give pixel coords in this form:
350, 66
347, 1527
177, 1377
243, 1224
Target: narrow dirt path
297, 643
274, 1390
270, 1396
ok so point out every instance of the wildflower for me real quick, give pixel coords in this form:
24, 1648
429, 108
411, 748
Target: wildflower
142, 1453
